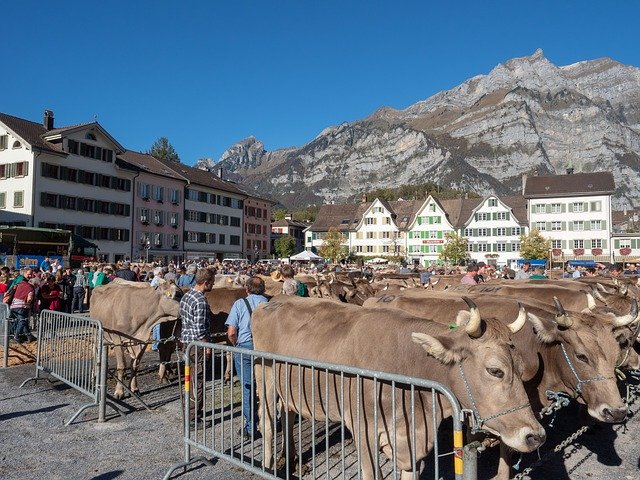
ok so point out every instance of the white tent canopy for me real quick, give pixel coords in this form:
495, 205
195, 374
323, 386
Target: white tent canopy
305, 255
377, 260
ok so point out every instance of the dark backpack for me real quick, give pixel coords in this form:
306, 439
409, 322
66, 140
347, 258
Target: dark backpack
303, 291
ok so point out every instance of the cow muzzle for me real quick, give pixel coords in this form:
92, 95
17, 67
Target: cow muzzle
526, 439
610, 414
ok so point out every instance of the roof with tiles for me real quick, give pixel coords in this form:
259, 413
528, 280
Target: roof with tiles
288, 223
518, 205
31, 132
202, 177
344, 217
149, 163
58, 131
596, 183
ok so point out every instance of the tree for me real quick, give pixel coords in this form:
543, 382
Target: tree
285, 246
279, 214
534, 246
163, 150
332, 246
455, 248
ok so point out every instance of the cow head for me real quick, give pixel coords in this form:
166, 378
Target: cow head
491, 374
586, 354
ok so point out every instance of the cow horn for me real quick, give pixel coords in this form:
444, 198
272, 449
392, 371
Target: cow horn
519, 322
622, 320
596, 293
434, 283
623, 290
638, 282
332, 277
591, 301
602, 288
562, 318
474, 327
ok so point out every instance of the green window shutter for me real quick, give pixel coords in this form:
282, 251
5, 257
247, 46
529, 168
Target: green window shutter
563, 207
548, 208
585, 207
439, 248
564, 226
587, 244
424, 249
430, 220
439, 235
419, 220
571, 226
594, 206
570, 206
494, 232
475, 217
604, 224
494, 215
548, 226
634, 243
509, 230
474, 232
604, 244
564, 244
508, 217
475, 247
616, 243
509, 247
587, 225
494, 247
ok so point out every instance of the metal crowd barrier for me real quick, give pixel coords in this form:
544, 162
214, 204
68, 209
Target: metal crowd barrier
319, 448
71, 349
4, 333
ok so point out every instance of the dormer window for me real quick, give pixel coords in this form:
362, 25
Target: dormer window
16, 144
90, 136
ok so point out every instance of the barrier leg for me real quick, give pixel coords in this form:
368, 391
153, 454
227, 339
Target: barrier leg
470, 454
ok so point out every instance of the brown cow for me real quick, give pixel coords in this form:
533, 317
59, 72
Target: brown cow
389, 341
128, 311
555, 346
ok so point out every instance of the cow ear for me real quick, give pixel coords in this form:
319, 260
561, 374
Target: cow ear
546, 332
436, 348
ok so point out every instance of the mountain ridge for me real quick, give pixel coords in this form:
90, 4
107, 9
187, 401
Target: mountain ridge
525, 116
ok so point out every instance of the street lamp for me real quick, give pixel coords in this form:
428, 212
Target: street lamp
147, 246
255, 250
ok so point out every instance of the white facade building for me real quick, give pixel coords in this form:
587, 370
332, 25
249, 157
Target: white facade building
427, 233
574, 212
66, 178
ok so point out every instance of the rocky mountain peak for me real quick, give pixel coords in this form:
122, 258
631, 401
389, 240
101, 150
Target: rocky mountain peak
525, 115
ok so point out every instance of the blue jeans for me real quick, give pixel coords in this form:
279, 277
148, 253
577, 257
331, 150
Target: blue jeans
155, 331
21, 325
244, 369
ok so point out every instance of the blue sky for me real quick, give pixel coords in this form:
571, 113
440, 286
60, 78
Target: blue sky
206, 74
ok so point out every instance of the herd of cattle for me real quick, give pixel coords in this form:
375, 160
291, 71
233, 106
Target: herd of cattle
499, 346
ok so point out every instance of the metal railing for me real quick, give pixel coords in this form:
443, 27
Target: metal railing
71, 349
340, 422
4, 333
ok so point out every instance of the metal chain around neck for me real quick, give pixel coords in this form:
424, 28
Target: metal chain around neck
575, 373
478, 420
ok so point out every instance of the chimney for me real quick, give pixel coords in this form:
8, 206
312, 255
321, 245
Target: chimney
48, 120
524, 182
570, 171
363, 198
288, 216
220, 172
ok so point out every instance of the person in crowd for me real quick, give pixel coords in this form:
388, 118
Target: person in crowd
21, 306
590, 272
55, 266
196, 318
631, 269
616, 270
288, 274
126, 273
538, 274
45, 264
481, 273
524, 272
66, 280
100, 277
189, 278
239, 334
4, 282
170, 276
50, 295
507, 273
469, 277
79, 291
577, 273
157, 277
